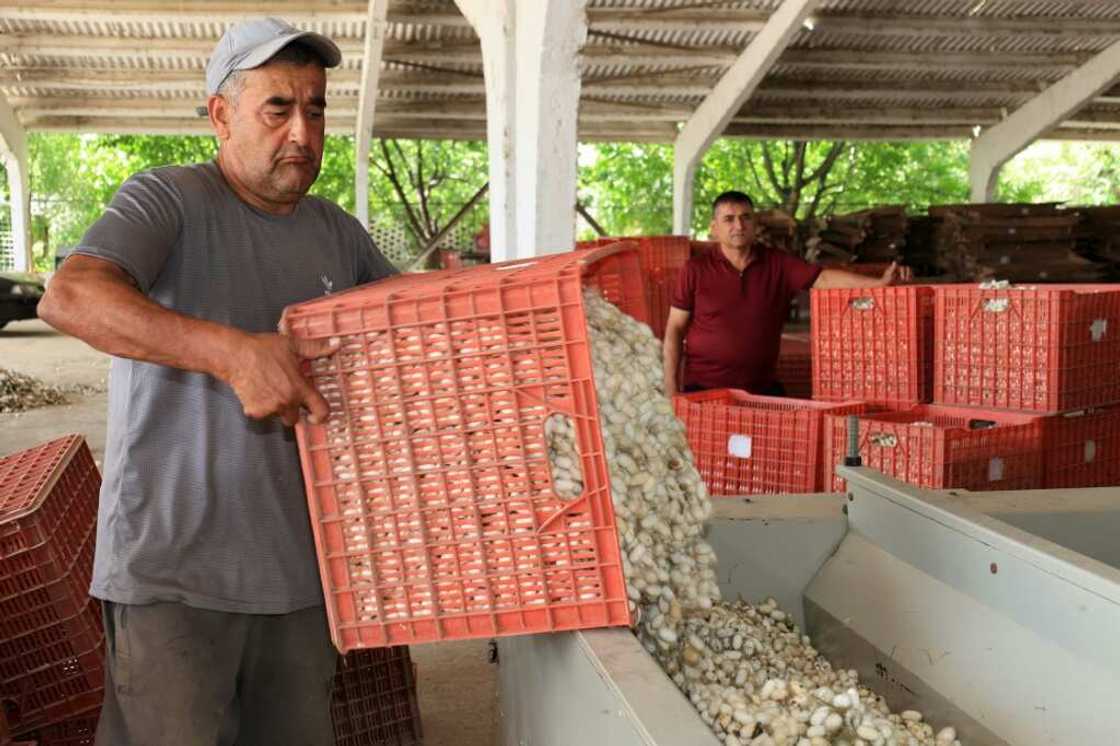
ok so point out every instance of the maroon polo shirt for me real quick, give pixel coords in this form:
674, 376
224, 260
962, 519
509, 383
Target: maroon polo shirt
735, 327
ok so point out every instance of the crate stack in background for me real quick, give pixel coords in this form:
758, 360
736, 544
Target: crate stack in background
51, 636
373, 702
1050, 350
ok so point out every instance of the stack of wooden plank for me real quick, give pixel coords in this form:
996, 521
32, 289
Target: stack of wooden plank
778, 230
1099, 234
875, 235
1020, 243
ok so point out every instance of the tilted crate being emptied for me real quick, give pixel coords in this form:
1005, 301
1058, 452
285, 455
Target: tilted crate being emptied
51, 638
430, 490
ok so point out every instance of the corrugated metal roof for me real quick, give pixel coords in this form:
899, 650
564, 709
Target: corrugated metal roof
872, 65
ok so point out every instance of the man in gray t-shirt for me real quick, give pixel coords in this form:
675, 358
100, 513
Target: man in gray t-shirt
214, 616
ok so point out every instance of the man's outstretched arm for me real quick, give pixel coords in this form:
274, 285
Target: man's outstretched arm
98, 302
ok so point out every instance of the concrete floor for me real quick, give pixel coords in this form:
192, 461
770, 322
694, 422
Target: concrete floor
456, 683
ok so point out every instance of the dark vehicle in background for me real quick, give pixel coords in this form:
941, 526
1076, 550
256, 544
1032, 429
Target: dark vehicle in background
19, 296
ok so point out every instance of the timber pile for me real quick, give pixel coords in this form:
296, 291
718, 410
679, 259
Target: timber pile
870, 236
1099, 234
1020, 243
777, 230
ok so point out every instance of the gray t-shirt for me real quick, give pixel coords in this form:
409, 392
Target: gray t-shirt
200, 504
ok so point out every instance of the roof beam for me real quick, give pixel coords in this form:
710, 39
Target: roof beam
149, 48
1000, 143
622, 19
728, 96
367, 104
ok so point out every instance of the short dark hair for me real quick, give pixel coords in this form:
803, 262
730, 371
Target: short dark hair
732, 198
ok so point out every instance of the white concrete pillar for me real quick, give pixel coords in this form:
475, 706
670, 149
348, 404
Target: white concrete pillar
730, 93
530, 57
999, 144
13, 151
367, 103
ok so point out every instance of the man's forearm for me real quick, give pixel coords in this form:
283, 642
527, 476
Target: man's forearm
111, 315
838, 278
671, 354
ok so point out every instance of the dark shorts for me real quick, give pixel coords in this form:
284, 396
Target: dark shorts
179, 676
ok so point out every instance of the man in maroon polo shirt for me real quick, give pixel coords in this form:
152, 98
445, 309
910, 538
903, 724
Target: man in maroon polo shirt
730, 303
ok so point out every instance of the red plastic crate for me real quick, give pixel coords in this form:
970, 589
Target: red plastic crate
1083, 448
1046, 348
941, 447
51, 638
745, 444
662, 258
78, 730
795, 366
430, 491
873, 344
374, 699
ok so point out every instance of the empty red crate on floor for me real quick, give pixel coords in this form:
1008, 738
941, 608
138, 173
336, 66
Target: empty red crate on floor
1041, 348
430, 491
662, 258
1083, 448
944, 447
51, 639
745, 444
374, 699
872, 344
795, 366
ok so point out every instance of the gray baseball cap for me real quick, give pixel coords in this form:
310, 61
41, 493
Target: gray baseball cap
252, 43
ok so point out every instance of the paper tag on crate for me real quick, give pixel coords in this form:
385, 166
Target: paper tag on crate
1090, 451
1097, 329
995, 469
739, 446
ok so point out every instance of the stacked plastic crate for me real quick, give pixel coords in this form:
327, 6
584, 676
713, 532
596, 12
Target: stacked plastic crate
877, 345
51, 638
430, 491
660, 259
1051, 350
745, 444
374, 699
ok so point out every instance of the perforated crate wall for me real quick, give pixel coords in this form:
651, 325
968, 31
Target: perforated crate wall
872, 344
661, 259
374, 699
430, 491
1046, 348
745, 444
78, 730
944, 447
795, 366
1083, 448
51, 639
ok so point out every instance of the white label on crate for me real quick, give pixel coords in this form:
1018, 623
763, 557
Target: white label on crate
997, 305
1090, 451
862, 304
1098, 328
995, 469
884, 440
739, 446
